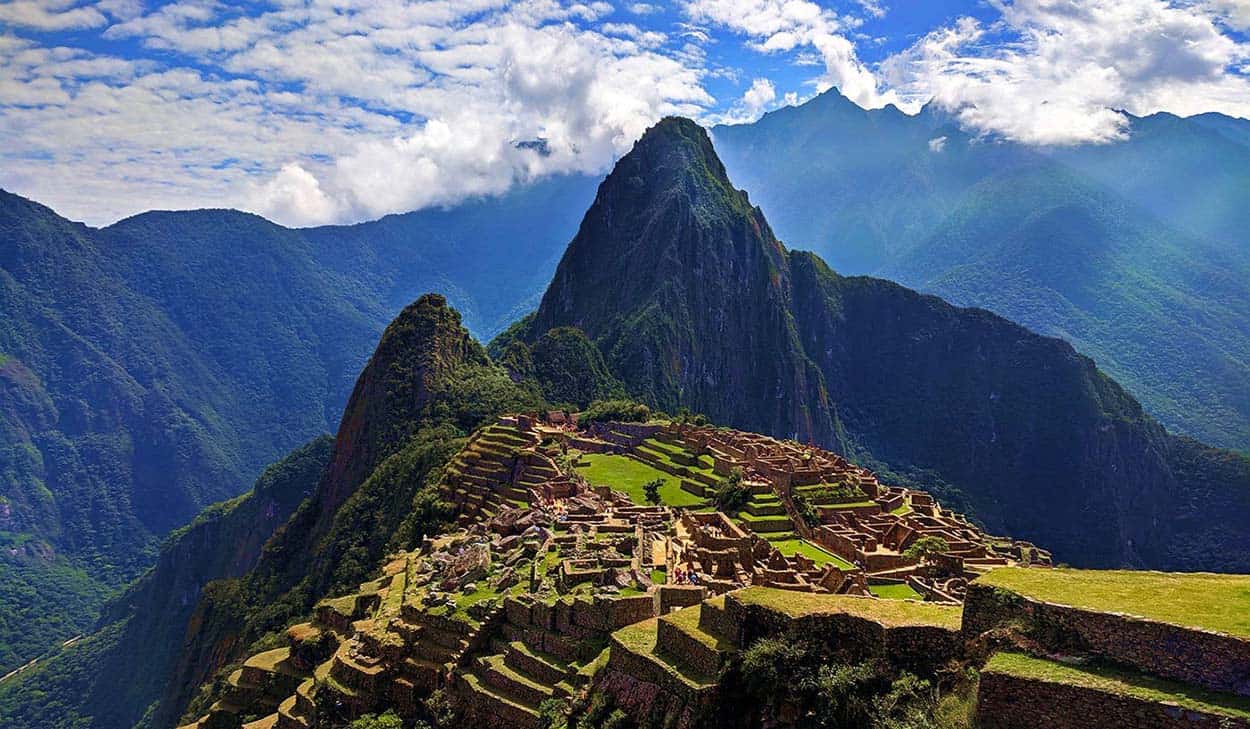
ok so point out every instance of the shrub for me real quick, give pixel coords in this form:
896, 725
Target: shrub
625, 411
652, 491
732, 494
807, 512
926, 547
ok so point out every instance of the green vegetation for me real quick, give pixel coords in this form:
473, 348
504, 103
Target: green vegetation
785, 673
1059, 245
900, 591
629, 476
1200, 600
570, 369
624, 411
389, 720
794, 545
651, 490
807, 511
732, 494
1121, 682
926, 548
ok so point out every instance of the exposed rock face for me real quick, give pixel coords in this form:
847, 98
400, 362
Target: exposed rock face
681, 283
427, 378
694, 303
424, 344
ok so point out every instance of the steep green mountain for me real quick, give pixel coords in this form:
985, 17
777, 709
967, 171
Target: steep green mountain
244, 568
427, 385
681, 284
110, 678
1133, 251
1162, 312
1031, 437
154, 367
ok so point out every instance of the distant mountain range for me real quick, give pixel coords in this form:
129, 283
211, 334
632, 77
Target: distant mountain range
1135, 251
153, 367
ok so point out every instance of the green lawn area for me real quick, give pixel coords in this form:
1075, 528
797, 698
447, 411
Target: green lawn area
665, 451
1120, 682
890, 613
1198, 600
902, 591
659, 576
628, 475
789, 547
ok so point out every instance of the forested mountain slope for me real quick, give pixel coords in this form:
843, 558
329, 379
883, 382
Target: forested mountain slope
694, 303
1133, 251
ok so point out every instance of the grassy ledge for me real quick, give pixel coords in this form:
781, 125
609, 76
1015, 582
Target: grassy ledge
1205, 601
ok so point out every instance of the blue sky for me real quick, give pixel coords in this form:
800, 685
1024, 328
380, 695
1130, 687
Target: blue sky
315, 111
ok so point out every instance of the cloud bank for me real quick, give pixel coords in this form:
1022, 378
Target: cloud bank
316, 111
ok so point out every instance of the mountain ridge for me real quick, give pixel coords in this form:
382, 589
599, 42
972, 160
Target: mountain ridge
996, 412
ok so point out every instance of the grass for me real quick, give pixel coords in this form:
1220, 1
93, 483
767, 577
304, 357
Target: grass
659, 576
668, 450
628, 476
901, 591
687, 620
1198, 600
789, 547
1120, 682
889, 613
640, 639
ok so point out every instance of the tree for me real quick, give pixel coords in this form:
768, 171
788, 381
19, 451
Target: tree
732, 495
652, 491
926, 547
389, 720
807, 512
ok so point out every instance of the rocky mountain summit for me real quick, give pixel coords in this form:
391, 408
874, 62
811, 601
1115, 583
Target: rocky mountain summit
694, 304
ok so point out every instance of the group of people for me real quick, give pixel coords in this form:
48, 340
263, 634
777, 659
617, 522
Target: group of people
687, 576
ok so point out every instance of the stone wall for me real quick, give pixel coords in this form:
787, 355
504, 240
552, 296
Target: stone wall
1011, 702
921, 649
671, 597
1210, 660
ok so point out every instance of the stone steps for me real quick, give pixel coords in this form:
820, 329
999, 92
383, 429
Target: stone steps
520, 687
269, 722
289, 716
546, 669
765, 508
766, 524
681, 637
494, 707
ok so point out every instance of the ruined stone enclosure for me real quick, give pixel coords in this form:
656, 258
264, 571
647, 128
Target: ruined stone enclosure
559, 575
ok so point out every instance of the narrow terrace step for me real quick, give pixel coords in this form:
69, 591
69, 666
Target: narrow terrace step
500, 705
546, 669
521, 688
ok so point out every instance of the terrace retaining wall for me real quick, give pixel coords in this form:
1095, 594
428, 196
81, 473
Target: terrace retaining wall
1211, 660
1012, 702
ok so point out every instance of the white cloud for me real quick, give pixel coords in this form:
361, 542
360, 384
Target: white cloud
295, 194
1234, 13
937, 144
643, 8
775, 26
760, 95
50, 15
1053, 72
325, 111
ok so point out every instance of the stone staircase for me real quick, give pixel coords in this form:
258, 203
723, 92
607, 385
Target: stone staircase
479, 480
